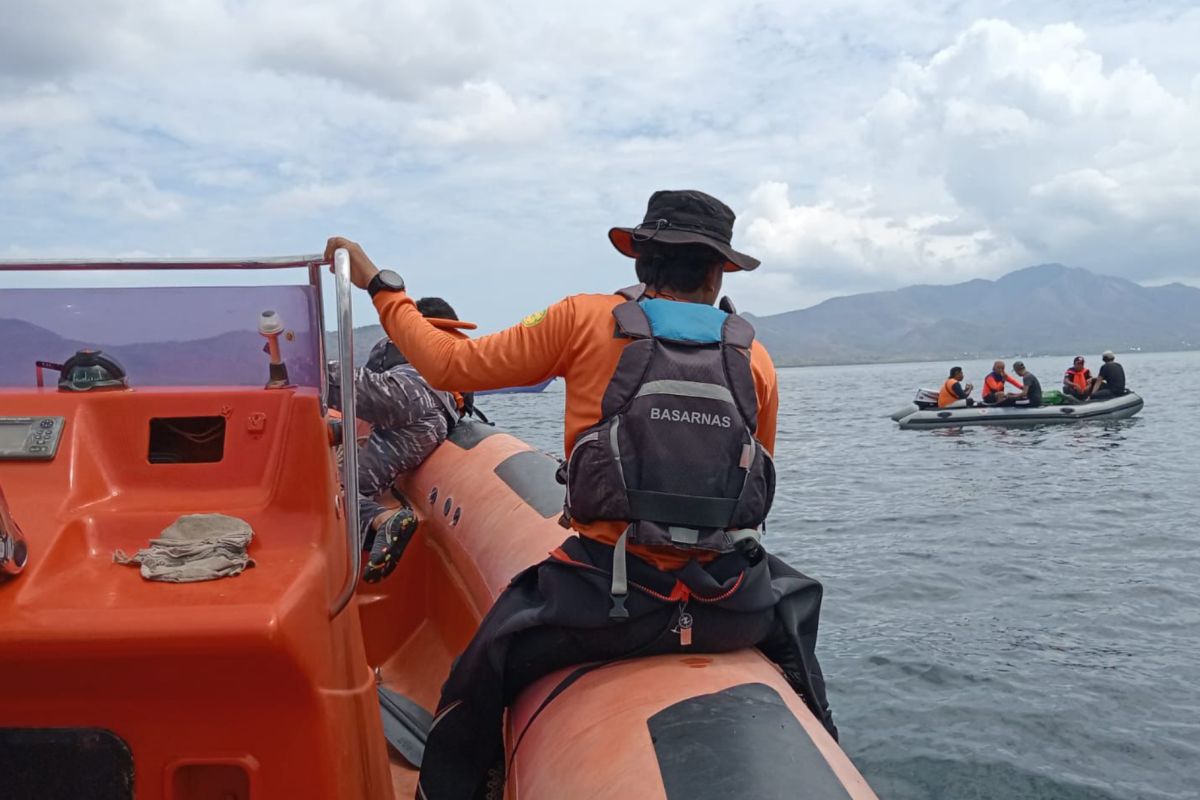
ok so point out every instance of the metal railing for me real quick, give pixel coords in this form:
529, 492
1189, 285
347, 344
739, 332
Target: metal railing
345, 322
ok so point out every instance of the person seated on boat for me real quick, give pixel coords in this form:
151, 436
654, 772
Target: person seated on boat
408, 419
1078, 382
1031, 387
1110, 382
953, 391
993, 386
690, 401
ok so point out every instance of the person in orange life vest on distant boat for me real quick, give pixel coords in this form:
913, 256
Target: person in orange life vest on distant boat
954, 391
1078, 381
678, 398
993, 386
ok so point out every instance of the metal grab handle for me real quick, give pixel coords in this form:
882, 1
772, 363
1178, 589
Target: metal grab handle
342, 287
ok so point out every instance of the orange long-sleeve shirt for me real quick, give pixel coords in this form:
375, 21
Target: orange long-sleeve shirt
572, 339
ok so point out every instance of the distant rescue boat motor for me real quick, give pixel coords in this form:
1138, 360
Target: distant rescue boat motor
271, 326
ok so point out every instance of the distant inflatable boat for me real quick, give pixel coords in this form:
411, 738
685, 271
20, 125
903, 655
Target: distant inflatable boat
923, 412
533, 389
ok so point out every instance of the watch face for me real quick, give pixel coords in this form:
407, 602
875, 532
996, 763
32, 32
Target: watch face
391, 280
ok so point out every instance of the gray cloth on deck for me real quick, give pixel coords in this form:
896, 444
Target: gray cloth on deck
195, 547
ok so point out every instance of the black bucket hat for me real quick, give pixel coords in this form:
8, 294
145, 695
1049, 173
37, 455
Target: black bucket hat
685, 217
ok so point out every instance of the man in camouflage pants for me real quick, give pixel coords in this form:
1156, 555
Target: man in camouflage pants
408, 419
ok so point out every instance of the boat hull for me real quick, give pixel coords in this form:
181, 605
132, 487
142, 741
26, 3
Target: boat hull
954, 417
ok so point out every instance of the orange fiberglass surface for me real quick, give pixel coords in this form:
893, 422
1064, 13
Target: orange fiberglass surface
265, 685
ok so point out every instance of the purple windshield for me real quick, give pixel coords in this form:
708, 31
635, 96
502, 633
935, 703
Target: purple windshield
163, 336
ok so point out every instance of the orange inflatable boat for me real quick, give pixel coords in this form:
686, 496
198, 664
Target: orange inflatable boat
290, 680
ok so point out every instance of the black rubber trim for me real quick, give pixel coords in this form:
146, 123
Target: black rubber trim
65, 764
740, 742
468, 433
681, 509
531, 475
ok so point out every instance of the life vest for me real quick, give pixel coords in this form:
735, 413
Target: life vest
947, 396
1079, 377
992, 384
674, 453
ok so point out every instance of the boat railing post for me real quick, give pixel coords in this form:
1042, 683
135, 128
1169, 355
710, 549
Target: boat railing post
345, 322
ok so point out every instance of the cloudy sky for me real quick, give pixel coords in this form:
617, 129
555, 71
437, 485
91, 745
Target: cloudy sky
483, 148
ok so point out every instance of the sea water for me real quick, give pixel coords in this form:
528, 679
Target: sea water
1009, 613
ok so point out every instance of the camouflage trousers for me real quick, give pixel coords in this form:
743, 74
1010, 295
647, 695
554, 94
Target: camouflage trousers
386, 455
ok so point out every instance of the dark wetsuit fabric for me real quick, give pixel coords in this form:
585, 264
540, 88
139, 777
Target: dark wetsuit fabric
556, 614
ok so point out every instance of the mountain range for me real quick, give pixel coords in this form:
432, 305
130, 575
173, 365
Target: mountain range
1048, 309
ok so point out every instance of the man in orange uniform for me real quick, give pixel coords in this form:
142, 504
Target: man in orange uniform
993, 386
670, 422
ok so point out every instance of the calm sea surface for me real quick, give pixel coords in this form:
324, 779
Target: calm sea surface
1008, 613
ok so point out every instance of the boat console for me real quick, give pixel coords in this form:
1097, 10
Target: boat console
29, 438
166, 405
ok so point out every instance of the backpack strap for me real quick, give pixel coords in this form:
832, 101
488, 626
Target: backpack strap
737, 335
635, 292
632, 321
737, 332
620, 580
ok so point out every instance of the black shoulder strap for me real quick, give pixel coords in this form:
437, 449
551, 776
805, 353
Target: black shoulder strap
632, 320
635, 292
737, 332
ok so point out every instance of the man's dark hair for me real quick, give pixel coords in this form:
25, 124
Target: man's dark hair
954, 370
682, 267
435, 307
1018, 365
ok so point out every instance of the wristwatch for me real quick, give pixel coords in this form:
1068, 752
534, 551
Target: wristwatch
385, 281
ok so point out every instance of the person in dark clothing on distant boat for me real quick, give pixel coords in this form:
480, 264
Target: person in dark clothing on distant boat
1031, 391
1111, 380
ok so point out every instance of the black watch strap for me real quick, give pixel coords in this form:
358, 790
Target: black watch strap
385, 281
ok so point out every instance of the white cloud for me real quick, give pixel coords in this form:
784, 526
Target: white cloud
485, 148
483, 112
847, 240
1004, 148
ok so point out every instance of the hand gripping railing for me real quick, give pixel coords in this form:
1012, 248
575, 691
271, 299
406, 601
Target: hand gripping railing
341, 274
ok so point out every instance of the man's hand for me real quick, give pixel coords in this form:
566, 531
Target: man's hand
362, 269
